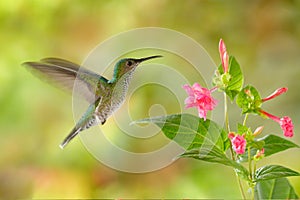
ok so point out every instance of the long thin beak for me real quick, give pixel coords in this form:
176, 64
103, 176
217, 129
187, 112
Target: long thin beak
147, 58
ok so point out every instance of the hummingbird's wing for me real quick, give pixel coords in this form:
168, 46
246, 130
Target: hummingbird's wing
65, 73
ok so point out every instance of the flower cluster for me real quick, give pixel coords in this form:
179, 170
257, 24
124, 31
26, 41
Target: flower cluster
202, 99
245, 145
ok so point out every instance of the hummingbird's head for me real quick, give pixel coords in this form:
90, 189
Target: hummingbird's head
129, 64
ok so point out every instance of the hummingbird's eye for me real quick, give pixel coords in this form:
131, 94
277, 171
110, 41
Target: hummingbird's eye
129, 63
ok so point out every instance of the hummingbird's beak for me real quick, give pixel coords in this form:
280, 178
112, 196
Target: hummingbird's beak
147, 58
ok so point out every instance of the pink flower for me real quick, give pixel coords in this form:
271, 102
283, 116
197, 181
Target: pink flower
238, 143
285, 123
224, 55
287, 126
276, 93
200, 98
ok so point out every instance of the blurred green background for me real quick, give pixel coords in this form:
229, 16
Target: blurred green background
263, 35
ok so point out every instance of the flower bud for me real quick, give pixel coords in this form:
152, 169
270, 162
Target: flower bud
276, 93
258, 131
224, 56
259, 154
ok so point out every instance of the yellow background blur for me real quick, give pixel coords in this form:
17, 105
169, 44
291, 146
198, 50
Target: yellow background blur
264, 36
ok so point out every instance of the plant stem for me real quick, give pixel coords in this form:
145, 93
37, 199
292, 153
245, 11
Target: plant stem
226, 113
254, 170
254, 166
227, 123
250, 163
241, 187
251, 173
245, 119
231, 150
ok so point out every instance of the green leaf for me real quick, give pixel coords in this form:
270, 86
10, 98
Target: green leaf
190, 131
273, 171
236, 82
273, 144
257, 144
243, 129
274, 189
231, 82
249, 100
203, 140
215, 155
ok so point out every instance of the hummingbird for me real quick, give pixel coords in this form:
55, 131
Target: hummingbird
104, 96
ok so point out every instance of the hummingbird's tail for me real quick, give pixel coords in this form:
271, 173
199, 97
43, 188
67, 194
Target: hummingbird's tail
88, 120
73, 133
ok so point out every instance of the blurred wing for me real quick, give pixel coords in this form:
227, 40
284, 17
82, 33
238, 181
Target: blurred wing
66, 74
